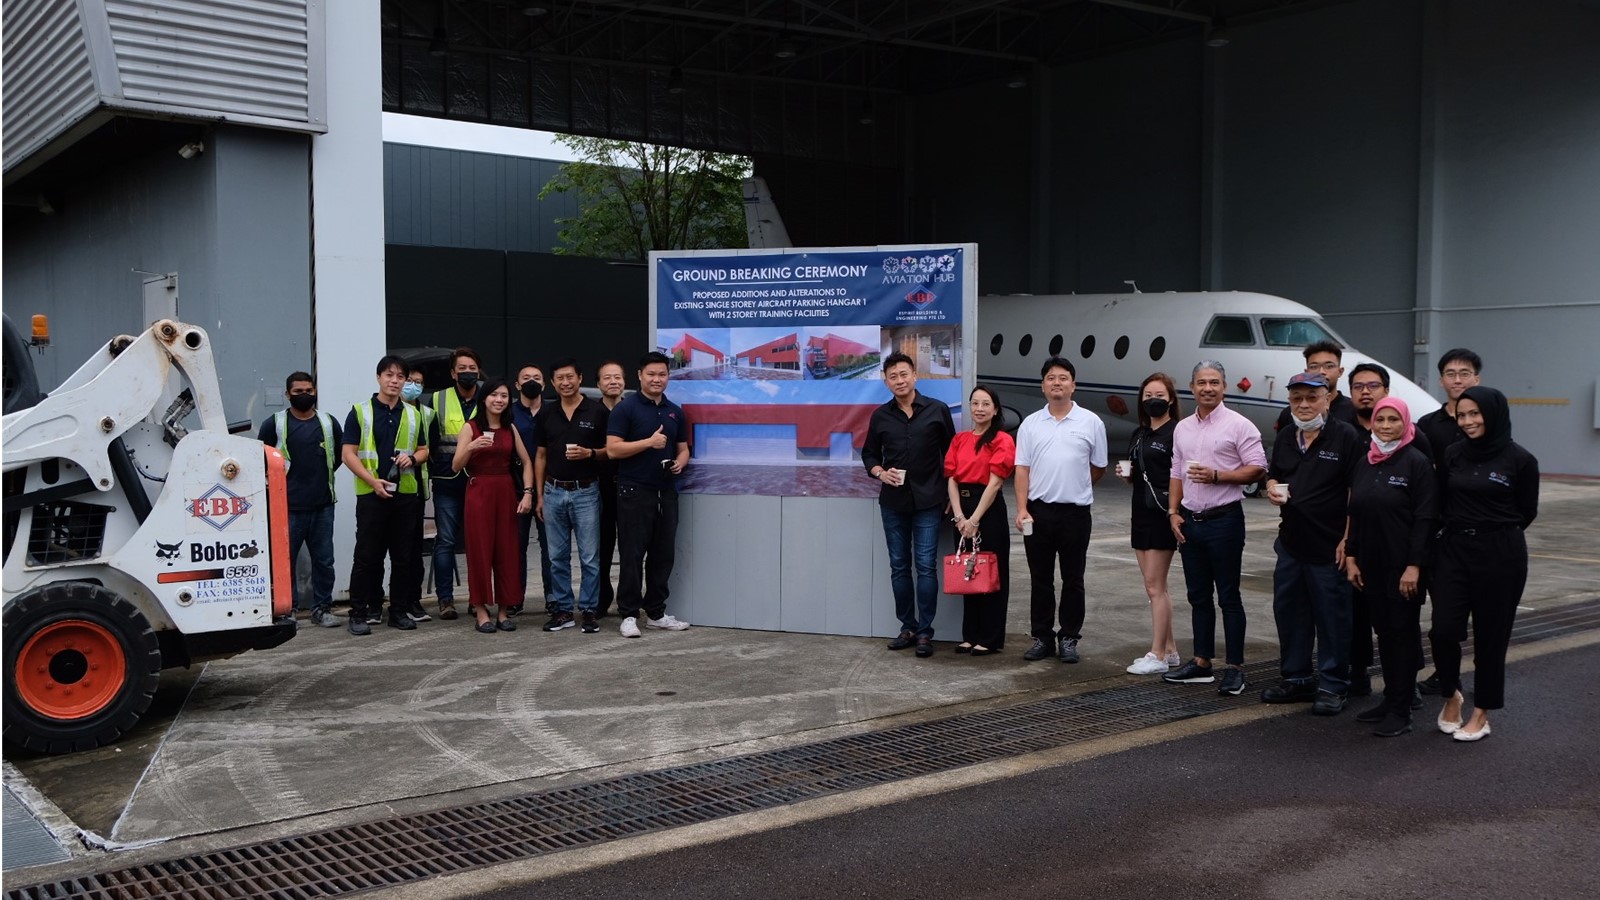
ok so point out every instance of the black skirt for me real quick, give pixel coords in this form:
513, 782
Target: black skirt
1152, 530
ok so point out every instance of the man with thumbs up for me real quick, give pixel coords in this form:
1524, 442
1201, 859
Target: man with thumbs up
648, 435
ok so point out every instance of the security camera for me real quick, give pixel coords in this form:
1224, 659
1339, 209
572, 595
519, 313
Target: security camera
191, 149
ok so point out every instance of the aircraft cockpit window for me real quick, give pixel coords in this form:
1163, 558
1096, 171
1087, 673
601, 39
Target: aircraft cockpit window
1120, 348
995, 344
1025, 345
1295, 332
1086, 349
1158, 348
1229, 331
1055, 345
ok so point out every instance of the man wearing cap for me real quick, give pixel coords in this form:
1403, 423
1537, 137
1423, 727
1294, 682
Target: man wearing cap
1308, 478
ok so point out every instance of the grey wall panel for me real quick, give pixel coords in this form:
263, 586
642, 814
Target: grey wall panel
823, 569
454, 198
50, 83
751, 570
248, 59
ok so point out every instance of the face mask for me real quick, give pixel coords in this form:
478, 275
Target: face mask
531, 389
303, 402
1385, 447
1312, 425
467, 380
411, 391
1156, 407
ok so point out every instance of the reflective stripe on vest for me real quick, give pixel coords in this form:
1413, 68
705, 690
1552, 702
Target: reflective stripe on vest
447, 408
280, 424
405, 441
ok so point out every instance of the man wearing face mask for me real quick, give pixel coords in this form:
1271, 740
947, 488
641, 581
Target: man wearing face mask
452, 407
524, 415
1315, 460
310, 443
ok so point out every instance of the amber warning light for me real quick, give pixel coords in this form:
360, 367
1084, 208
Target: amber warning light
41, 331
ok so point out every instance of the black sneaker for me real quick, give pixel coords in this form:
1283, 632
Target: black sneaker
1429, 685
403, 623
1190, 672
1416, 698
591, 623
1290, 692
375, 616
558, 621
514, 609
1041, 649
418, 614
358, 625
1069, 650
1328, 704
906, 639
1377, 712
1232, 681
1393, 725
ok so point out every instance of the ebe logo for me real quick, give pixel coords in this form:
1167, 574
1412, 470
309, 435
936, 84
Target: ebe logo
219, 507
921, 298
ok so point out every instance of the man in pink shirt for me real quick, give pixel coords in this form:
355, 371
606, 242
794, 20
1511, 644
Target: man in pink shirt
1215, 453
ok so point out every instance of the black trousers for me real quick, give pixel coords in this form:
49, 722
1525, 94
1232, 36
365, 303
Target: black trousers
391, 528
1060, 533
1363, 623
983, 616
1398, 621
647, 530
608, 540
1479, 576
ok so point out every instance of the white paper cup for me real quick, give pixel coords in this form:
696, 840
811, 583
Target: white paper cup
389, 486
1191, 465
570, 448
1281, 491
899, 476
1125, 468
1027, 527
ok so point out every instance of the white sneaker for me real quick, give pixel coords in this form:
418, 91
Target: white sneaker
1174, 660
666, 623
630, 627
1149, 664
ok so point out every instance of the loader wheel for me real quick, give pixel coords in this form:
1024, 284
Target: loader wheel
81, 667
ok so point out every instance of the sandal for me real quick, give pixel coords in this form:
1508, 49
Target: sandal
964, 647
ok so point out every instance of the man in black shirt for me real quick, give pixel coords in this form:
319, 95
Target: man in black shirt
1326, 358
309, 441
571, 435
612, 381
905, 446
1459, 369
1308, 478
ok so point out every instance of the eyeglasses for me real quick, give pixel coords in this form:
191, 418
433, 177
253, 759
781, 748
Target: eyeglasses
1458, 374
1365, 385
1322, 367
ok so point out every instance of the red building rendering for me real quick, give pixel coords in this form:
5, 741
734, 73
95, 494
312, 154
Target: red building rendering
830, 348
783, 353
695, 353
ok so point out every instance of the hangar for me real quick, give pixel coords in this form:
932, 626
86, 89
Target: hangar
1425, 173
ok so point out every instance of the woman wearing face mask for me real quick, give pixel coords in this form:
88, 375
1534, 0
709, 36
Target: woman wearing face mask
488, 444
1393, 507
1150, 451
1491, 495
978, 462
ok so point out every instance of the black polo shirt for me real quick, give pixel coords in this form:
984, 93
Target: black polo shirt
1394, 510
636, 418
1502, 492
1312, 522
916, 443
385, 428
1442, 431
554, 431
307, 479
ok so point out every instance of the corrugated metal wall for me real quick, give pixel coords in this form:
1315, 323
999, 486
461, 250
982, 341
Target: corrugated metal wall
435, 197
49, 81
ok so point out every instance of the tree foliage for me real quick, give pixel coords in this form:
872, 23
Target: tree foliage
634, 198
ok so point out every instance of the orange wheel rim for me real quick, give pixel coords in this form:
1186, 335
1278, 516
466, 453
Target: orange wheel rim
70, 669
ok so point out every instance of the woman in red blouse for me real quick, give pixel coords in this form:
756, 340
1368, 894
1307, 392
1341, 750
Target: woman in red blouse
976, 465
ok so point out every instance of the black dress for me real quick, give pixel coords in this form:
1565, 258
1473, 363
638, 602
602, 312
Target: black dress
1151, 452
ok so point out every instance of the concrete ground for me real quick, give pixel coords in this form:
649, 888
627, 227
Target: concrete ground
331, 729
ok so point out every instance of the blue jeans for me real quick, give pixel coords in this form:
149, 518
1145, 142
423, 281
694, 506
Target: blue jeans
449, 504
1213, 553
1311, 604
568, 514
913, 537
314, 529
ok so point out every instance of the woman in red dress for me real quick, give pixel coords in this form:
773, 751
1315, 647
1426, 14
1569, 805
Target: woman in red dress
487, 446
976, 465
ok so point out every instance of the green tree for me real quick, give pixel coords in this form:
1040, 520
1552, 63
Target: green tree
634, 198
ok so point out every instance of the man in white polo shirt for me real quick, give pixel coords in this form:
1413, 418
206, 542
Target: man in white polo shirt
1061, 453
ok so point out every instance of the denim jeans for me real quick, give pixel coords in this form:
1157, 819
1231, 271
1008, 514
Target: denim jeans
1311, 604
449, 505
1213, 553
314, 529
569, 514
913, 538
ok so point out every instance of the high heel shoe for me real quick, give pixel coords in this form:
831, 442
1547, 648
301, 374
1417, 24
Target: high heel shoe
1446, 725
1478, 735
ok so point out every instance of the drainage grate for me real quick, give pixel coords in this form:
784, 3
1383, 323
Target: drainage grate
404, 849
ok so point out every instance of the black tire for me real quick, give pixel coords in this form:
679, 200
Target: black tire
80, 608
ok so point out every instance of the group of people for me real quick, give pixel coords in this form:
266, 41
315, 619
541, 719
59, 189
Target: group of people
500, 464
1377, 511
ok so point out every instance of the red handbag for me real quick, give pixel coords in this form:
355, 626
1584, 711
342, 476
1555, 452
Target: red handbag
971, 571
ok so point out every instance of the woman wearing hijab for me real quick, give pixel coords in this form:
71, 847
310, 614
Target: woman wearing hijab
976, 466
1491, 494
1393, 506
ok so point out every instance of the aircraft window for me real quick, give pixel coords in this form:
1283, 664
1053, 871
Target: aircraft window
1086, 349
995, 344
1025, 345
1229, 331
1295, 332
1158, 348
1055, 345
1120, 348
